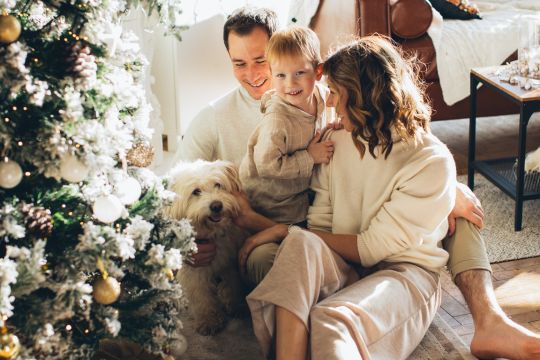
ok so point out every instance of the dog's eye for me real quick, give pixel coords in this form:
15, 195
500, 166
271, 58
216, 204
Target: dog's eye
196, 192
217, 186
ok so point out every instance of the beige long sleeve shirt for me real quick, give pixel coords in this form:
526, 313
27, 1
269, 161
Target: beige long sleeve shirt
398, 206
277, 168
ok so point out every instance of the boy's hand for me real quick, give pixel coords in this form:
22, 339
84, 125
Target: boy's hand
320, 151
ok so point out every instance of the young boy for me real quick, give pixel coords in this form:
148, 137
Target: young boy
285, 146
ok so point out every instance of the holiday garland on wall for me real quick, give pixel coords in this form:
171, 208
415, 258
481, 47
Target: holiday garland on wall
85, 253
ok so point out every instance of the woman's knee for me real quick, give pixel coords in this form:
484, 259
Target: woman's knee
302, 241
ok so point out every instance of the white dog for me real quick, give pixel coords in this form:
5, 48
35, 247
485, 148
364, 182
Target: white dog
205, 197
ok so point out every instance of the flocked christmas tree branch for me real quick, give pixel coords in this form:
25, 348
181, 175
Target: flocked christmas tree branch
85, 253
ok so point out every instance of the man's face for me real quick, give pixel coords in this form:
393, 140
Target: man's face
249, 63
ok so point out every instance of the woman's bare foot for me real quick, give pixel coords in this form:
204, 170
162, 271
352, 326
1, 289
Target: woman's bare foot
500, 337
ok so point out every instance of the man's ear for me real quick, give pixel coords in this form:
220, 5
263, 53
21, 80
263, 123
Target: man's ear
319, 71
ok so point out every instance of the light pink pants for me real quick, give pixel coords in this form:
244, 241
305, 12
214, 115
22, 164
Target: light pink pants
383, 316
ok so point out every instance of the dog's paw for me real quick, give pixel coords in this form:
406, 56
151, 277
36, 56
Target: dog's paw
211, 324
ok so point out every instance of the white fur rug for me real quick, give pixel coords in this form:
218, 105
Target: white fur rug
503, 243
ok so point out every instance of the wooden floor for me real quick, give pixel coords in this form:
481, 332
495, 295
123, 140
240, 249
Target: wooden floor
517, 283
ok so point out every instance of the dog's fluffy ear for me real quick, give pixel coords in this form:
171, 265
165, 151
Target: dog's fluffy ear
230, 170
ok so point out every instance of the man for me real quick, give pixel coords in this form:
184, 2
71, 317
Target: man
221, 131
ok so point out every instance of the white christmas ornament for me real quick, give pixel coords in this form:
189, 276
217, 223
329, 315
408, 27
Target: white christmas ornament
107, 208
72, 169
10, 174
178, 346
128, 191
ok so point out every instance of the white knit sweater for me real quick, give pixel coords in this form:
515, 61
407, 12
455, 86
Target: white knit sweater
398, 206
221, 130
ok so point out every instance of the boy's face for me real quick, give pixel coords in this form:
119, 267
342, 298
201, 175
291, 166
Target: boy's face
294, 80
249, 63
337, 98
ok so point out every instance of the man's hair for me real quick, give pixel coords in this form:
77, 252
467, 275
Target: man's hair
243, 20
385, 94
292, 42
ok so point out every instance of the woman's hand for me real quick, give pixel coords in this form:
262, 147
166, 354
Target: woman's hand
467, 206
275, 234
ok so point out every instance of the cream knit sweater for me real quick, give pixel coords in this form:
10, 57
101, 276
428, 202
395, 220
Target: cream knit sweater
221, 130
398, 206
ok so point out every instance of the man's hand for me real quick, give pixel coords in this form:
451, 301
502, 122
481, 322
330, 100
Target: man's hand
467, 206
320, 151
206, 252
275, 234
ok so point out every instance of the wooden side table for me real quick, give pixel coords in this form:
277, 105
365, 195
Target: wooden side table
501, 172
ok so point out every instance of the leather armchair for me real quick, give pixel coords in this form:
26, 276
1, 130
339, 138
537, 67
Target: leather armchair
407, 22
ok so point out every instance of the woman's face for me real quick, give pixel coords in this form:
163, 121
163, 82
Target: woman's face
338, 99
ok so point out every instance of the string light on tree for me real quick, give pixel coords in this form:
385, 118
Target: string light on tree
10, 173
107, 208
10, 28
72, 169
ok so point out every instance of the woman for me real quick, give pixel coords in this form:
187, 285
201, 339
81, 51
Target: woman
382, 203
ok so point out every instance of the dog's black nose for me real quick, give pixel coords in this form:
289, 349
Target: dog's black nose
216, 206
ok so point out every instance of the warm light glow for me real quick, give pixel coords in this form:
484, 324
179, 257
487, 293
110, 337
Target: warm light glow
524, 300
68, 327
20, 143
27, 173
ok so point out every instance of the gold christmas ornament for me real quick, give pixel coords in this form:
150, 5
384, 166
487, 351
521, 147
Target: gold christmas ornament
140, 155
9, 345
106, 290
10, 29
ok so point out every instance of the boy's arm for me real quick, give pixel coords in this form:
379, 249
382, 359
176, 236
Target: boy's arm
271, 157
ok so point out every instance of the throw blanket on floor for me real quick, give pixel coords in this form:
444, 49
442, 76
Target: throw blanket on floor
461, 45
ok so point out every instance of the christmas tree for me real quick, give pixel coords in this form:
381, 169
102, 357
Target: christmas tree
85, 253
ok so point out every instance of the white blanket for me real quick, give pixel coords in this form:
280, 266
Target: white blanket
461, 45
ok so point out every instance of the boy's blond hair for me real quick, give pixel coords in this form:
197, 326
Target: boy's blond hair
292, 42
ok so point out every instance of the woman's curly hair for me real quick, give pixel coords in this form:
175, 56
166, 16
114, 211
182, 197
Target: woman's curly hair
385, 95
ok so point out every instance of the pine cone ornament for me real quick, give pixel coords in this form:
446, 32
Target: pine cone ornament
38, 220
82, 65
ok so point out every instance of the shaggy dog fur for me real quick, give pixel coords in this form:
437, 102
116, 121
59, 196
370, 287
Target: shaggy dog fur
204, 196
532, 161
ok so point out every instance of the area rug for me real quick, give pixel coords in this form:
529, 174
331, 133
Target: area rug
238, 342
502, 242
